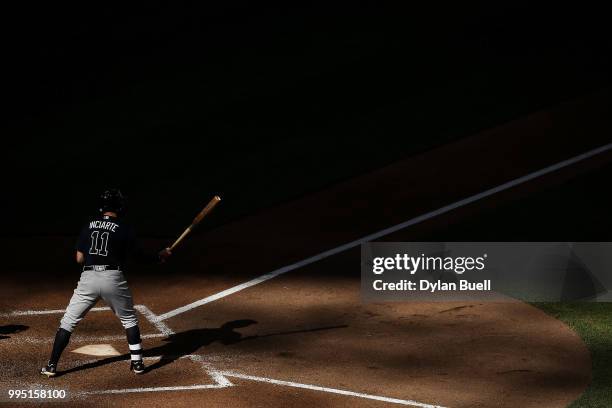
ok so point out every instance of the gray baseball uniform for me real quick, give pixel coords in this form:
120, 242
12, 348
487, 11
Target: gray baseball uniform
111, 286
105, 241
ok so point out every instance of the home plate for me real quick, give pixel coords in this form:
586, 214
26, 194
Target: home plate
97, 350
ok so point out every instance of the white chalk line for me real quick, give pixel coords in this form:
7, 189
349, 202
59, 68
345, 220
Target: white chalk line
46, 312
376, 235
154, 319
85, 339
216, 375
157, 389
219, 381
163, 329
328, 390
144, 310
228, 292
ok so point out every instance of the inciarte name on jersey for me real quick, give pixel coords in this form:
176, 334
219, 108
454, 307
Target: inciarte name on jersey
107, 225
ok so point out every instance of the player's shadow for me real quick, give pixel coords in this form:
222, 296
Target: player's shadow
188, 342
11, 329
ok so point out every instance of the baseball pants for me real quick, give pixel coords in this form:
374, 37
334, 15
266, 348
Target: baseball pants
111, 286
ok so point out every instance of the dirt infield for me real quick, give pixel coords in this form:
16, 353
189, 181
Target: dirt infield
303, 337
311, 330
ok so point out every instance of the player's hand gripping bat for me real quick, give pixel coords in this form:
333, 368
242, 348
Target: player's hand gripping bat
209, 207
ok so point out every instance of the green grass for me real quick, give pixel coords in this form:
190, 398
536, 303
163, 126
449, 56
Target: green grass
593, 322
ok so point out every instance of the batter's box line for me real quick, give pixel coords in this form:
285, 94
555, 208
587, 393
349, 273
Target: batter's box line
164, 330
221, 381
154, 320
328, 390
15, 313
85, 339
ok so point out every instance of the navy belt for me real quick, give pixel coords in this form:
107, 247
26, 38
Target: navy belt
102, 268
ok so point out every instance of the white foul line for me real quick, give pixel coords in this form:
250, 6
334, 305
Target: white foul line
329, 390
390, 230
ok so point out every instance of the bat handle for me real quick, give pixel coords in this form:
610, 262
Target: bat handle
179, 239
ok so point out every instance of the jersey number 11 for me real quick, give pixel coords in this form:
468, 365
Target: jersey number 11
94, 249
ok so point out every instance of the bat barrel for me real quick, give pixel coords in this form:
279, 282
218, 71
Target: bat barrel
211, 204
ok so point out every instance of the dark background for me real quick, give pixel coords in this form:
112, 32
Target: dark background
262, 102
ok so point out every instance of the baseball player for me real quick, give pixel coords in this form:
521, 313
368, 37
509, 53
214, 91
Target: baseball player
102, 248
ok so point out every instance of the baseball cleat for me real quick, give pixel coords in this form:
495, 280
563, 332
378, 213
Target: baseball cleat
49, 370
137, 366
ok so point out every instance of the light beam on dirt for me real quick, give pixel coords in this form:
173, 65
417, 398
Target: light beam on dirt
416, 220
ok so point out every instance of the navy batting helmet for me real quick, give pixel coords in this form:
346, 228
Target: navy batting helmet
112, 200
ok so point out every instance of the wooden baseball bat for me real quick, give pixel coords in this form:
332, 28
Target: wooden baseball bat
211, 204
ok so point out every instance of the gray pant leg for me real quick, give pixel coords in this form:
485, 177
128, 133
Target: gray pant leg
84, 298
118, 297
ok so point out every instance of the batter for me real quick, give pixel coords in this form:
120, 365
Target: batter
102, 248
